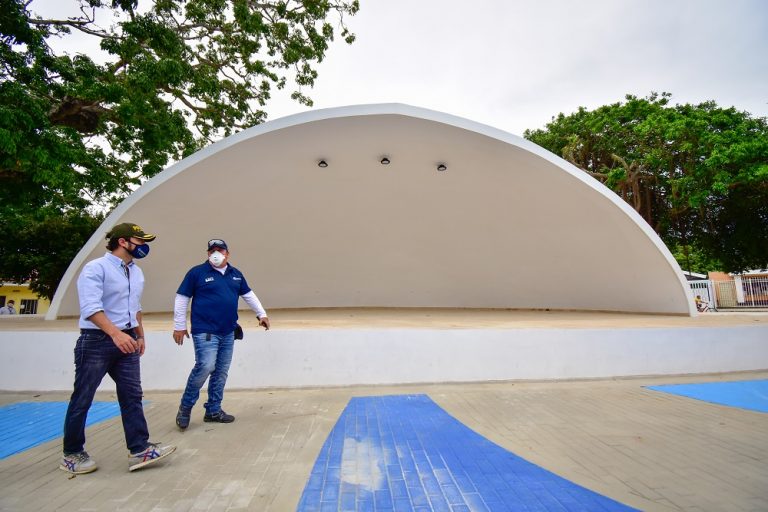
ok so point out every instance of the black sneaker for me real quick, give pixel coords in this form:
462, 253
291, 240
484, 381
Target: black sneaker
219, 417
182, 419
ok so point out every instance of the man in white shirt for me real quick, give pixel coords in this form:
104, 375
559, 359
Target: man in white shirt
111, 342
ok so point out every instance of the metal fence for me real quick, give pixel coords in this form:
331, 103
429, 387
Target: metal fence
741, 292
704, 290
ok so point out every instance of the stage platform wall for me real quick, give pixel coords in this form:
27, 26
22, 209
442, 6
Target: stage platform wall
37, 360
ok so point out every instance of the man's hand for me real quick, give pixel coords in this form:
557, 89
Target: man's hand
178, 336
140, 345
125, 343
264, 322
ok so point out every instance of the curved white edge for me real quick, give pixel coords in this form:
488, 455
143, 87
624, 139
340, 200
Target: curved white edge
356, 111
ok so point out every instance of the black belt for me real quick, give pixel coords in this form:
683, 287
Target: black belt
99, 331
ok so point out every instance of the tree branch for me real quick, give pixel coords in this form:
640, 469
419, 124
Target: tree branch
77, 25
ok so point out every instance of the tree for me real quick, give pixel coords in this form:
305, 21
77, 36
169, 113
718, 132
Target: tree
46, 244
698, 174
78, 134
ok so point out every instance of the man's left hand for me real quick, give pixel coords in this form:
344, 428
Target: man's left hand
178, 336
264, 322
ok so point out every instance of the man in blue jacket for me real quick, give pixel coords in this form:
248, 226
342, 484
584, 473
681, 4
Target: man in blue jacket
214, 288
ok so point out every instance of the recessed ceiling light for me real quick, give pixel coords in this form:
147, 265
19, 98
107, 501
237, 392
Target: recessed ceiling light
441, 167
385, 161
322, 164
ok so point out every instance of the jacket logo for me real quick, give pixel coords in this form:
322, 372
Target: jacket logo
237, 278
209, 279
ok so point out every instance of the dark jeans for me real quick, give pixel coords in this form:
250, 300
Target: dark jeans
95, 356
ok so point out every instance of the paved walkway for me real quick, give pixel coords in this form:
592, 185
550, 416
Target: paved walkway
645, 449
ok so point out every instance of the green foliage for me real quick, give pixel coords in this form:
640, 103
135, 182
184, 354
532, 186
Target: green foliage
698, 174
694, 259
46, 243
78, 133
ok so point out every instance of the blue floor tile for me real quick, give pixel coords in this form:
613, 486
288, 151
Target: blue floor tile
746, 394
421, 458
24, 425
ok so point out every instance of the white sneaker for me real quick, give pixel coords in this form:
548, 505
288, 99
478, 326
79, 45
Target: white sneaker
78, 463
151, 454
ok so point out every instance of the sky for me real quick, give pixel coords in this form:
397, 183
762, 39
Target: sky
514, 64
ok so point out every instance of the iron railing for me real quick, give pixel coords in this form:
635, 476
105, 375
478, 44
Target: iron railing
740, 292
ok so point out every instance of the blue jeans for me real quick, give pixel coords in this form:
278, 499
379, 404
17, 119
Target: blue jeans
213, 355
95, 356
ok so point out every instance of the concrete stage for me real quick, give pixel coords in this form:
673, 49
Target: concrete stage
349, 347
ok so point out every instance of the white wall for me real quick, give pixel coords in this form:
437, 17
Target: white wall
507, 225
296, 358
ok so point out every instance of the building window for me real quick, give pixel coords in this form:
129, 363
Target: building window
28, 307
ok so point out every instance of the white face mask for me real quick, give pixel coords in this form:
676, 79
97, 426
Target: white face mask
216, 258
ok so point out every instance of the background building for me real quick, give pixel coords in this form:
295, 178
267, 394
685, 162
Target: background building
27, 301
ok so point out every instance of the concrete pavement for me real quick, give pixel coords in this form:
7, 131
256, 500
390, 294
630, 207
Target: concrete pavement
645, 449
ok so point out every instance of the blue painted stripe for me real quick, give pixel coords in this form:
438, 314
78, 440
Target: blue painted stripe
746, 394
405, 453
24, 425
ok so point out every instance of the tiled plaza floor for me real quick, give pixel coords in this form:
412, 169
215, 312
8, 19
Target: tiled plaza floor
405, 453
27, 424
642, 448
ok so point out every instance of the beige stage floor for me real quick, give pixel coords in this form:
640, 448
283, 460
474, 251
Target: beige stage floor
648, 450
433, 318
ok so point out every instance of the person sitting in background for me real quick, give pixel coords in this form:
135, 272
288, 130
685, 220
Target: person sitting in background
9, 308
701, 304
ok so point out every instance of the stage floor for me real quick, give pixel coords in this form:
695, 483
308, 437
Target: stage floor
432, 318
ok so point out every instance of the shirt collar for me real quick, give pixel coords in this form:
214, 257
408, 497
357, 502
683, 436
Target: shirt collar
118, 262
226, 267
